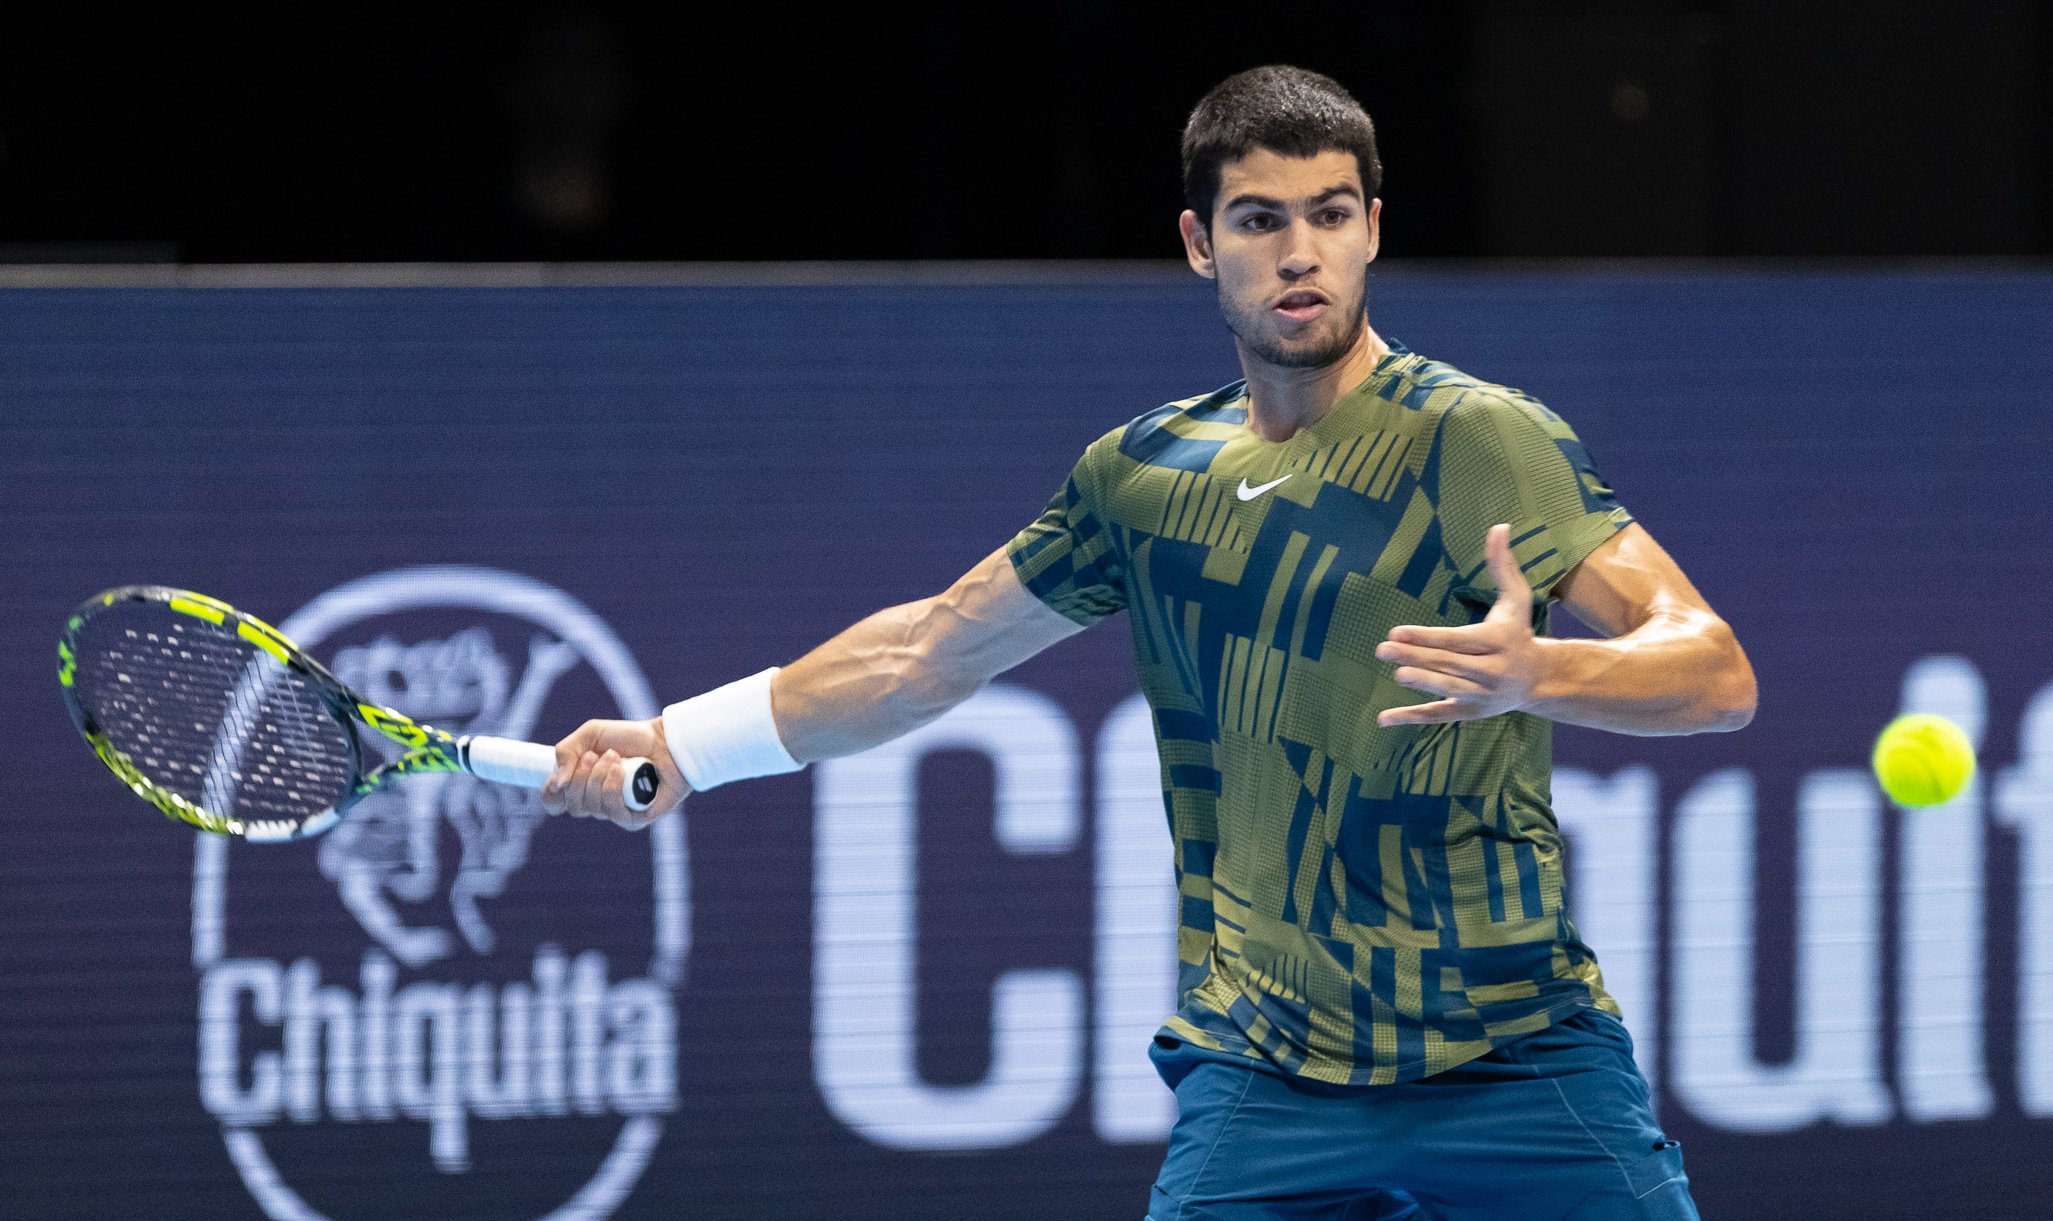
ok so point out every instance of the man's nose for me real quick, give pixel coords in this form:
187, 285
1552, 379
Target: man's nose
1300, 256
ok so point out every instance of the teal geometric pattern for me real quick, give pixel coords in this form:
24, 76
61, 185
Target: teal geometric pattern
1359, 904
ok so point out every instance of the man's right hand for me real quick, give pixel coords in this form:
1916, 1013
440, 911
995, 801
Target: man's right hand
589, 781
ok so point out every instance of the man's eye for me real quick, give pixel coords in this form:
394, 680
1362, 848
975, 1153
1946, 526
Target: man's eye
1336, 216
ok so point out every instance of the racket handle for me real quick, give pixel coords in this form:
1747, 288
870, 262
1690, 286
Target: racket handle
530, 764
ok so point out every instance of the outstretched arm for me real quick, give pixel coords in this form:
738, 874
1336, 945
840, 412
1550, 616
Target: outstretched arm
884, 677
904, 666
1670, 665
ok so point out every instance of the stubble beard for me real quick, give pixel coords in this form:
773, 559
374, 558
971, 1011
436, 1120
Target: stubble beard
1252, 329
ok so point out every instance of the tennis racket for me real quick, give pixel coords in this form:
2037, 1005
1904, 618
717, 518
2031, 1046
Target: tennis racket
214, 717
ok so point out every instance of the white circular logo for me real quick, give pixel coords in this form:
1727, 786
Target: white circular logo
396, 993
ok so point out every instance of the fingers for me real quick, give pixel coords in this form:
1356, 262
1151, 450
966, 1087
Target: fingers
1443, 661
574, 789
1466, 690
1477, 671
552, 789
597, 789
1514, 607
602, 791
1435, 713
1475, 639
1433, 682
1514, 593
568, 753
571, 754
590, 780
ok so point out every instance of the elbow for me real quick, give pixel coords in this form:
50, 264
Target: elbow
1734, 694
1736, 713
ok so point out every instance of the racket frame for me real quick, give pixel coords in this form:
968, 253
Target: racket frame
426, 748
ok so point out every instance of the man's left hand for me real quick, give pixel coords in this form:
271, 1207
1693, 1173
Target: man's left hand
1479, 670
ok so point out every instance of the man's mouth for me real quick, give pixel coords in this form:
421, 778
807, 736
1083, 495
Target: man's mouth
1302, 306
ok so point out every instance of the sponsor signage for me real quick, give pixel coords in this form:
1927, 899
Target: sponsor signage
920, 982
466, 997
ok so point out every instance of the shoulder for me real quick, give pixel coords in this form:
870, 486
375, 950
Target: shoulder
1440, 390
1462, 407
1176, 433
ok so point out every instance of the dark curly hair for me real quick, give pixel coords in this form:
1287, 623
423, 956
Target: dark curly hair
1289, 111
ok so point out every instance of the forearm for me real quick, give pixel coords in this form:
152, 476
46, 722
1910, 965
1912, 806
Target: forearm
1675, 674
886, 676
870, 684
906, 665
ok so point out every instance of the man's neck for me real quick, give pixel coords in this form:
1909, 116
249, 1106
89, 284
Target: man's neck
1282, 401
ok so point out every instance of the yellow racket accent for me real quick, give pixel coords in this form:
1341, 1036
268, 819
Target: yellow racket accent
172, 805
197, 609
428, 749
264, 638
309, 702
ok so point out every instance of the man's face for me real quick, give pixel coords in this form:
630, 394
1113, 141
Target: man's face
1289, 243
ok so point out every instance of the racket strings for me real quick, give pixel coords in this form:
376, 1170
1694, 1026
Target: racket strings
204, 714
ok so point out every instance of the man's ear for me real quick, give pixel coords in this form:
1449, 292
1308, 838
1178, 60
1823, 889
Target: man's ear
1197, 244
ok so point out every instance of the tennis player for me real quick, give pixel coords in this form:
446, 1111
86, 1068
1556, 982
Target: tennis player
1338, 573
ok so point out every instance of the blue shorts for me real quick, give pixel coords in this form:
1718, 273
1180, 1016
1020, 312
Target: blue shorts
1555, 1125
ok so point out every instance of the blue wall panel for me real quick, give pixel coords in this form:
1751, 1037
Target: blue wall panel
783, 1003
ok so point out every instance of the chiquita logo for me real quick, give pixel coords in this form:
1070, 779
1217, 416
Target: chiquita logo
449, 1004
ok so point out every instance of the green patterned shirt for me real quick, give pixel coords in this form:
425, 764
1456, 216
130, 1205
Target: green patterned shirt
1358, 904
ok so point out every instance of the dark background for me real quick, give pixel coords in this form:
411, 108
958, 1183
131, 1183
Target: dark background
1852, 466
1850, 462
612, 131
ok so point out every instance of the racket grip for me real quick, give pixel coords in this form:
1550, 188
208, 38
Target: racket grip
530, 764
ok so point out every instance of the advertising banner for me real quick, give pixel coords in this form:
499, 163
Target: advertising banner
921, 982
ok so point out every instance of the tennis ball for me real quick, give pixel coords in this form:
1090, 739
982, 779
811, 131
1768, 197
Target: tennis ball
1922, 760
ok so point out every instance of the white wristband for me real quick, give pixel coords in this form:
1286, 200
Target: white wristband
727, 734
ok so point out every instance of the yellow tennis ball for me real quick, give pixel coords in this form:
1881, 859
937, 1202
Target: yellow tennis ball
1922, 760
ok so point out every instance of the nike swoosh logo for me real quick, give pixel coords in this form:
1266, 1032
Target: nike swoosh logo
1247, 493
